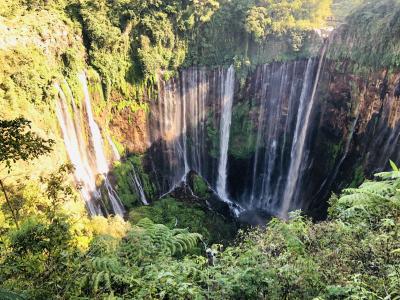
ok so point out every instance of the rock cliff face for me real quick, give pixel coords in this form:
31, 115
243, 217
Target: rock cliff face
357, 130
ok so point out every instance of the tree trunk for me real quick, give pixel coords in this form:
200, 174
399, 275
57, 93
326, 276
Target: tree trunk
9, 204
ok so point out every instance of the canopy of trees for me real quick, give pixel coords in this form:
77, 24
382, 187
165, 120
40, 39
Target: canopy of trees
272, 17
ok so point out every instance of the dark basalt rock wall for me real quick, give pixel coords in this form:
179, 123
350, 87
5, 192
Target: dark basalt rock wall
358, 130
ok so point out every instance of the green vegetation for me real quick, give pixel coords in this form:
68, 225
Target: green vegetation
280, 17
131, 43
243, 133
200, 187
212, 135
18, 142
57, 252
22, 82
334, 152
176, 214
124, 172
342, 8
51, 249
247, 33
352, 255
369, 37
358, 177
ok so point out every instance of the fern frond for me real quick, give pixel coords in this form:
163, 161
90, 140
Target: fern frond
388, 175
7, 295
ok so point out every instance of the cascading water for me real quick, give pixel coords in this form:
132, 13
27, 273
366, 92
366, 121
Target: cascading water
188, 114
114, 149
191, 130
98, 145
226, 119
138, 186
279, 94
135, 179
297, 158
80, 154
194, 115
83, 171
97, 140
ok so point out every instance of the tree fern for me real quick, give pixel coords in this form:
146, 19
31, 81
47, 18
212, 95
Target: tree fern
103, 269
370, 201
150, 238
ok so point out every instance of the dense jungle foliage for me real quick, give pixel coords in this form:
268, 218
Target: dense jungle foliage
57, 252
129, 42
369, 37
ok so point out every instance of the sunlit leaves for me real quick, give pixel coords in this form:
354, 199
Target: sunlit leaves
18, 142
271, 17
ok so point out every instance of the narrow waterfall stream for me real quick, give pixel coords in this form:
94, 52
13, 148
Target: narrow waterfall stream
98, 145
97, 140
226, 119
114, 149
138, 186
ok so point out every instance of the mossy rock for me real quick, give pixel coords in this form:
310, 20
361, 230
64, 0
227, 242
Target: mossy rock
179, 214
243, 134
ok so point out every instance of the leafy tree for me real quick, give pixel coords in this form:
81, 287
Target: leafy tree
18, 142
57, 190
280, 17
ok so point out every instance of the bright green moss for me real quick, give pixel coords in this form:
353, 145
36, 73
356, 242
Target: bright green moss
124, 186
243, 134
358, 177
200, 187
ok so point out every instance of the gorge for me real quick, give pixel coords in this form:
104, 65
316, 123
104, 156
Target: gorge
199, 149
286, 114
283, 109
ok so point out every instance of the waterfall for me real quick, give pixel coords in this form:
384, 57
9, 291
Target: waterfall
188, 110
138, 186
98, 145
226, 119
72, 126
331, 178
297, 158
114, 198
97, 140
275, 90
114, 149
261, 120
84, 174
194, 113
185, 131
